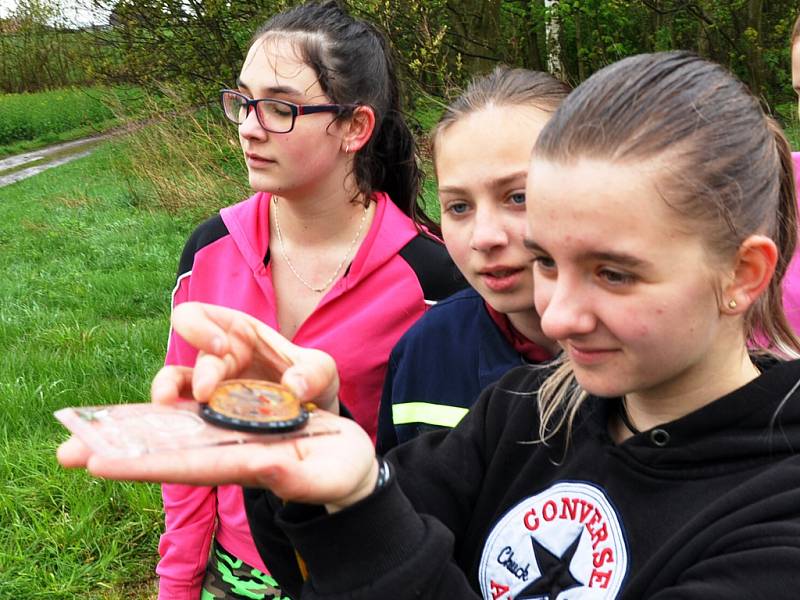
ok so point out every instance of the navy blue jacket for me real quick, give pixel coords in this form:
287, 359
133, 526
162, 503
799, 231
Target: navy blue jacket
439, 367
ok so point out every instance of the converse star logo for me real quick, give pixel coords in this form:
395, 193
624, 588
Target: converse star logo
565, 543
555, 577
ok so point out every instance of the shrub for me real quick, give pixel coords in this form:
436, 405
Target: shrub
187, 159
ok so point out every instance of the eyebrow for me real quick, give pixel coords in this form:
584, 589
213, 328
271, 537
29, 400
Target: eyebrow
495, 183
278, 89
619, 258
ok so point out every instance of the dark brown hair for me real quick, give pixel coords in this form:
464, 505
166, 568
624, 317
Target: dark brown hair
355, 65
725, 167
503, 86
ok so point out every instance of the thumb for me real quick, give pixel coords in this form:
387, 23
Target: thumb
313, 378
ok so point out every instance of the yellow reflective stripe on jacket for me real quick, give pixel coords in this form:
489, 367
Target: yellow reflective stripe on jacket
425, 412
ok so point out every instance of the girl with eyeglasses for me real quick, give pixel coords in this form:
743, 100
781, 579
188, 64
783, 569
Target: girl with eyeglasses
659, 459
331, 251
481, 150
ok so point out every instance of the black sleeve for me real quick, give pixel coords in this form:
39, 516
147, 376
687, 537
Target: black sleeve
437, 273
385, 537
206, 233
379, 548
278, 554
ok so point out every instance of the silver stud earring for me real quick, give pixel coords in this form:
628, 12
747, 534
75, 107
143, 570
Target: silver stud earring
347, 148
732, 304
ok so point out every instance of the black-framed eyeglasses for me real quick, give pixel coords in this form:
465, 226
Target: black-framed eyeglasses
273, 115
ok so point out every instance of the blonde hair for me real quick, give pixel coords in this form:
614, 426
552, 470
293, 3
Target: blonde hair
503, 86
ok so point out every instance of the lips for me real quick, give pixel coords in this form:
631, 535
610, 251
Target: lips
501, 278
254, 160
589, 355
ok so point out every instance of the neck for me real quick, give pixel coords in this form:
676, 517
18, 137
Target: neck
316, 212
695, 388
317, 219
528, 323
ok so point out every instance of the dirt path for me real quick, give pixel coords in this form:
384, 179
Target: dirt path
21, 166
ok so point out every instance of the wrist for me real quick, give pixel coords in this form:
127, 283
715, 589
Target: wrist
377, 477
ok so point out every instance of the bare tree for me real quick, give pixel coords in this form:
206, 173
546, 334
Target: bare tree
555, 64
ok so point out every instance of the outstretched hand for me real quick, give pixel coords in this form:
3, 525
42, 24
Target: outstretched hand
335, 470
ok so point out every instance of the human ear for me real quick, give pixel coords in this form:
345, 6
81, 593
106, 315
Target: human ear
359, 129
753, 270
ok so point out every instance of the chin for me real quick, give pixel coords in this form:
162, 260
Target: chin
262, 184
509, 304
598, 385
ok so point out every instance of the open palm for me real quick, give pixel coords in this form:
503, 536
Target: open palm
334, 469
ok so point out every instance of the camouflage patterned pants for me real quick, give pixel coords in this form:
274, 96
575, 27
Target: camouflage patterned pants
228, 578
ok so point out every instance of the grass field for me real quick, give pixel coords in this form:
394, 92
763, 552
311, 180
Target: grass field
30, 121
83, 320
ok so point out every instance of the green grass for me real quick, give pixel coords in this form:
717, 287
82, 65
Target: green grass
84, 303
30, 121
430, 197
427, 111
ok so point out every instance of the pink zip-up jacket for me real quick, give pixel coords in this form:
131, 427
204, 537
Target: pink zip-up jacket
396, 273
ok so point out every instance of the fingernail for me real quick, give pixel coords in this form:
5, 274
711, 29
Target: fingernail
297, 384
204, 381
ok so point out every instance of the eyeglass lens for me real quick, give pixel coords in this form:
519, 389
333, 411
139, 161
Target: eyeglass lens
273, 116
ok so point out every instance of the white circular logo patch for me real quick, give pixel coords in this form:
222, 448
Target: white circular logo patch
565, 543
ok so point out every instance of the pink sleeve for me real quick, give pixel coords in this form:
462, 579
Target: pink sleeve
190, 519
190, 512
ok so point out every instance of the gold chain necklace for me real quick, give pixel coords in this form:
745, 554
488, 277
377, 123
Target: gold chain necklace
327, 284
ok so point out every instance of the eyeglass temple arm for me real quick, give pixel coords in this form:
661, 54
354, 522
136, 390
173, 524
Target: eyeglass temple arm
309, 109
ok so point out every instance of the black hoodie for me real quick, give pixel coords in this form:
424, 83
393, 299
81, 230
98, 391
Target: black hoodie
706, 506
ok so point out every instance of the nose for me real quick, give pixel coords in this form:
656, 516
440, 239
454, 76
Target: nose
564, 305
251, 128
488, 231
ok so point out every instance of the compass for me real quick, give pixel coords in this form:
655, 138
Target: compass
255, 406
